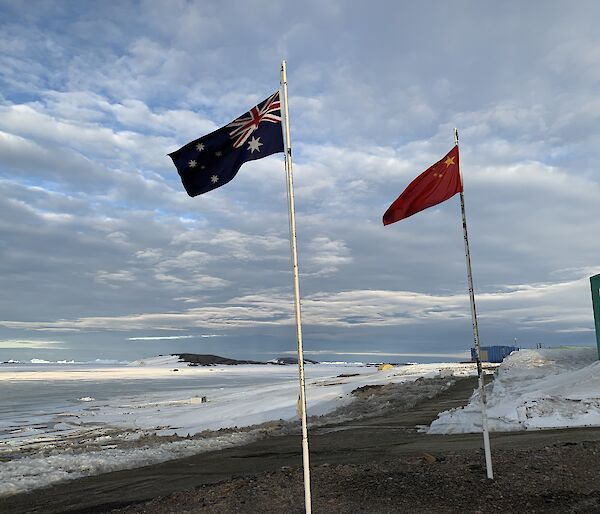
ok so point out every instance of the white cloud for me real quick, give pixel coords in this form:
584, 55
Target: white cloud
114, 277
31, 344
159, 338
325, 256
168, 338
528, 304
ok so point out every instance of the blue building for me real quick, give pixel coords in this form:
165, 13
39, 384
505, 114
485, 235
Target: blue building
493, 353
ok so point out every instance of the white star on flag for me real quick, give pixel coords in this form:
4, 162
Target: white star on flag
254, 144
192, 164
214, 179
200, 147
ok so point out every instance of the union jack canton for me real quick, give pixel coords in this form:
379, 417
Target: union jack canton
213, 160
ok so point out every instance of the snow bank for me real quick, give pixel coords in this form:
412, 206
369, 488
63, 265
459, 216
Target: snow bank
38, 471
534, 389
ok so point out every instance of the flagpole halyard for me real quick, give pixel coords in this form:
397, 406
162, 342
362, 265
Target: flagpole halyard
292, 222
480, 375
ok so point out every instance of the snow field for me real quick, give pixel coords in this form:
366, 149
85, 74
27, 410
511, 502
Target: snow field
95, 436
91, 432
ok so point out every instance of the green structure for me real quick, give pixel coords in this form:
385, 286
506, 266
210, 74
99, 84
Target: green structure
595, 281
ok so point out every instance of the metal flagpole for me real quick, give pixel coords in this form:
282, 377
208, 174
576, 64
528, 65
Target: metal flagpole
484, 420
292, 220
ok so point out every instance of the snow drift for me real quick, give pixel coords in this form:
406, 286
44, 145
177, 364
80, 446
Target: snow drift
534, 389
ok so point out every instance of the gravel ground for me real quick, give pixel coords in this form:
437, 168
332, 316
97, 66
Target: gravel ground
561, 478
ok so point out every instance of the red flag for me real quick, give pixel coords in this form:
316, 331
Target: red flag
435, 185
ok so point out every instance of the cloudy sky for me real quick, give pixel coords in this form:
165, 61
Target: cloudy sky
103, 255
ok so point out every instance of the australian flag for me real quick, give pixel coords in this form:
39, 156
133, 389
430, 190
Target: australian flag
213, 160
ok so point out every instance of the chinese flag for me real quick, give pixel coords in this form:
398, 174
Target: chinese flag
433, 186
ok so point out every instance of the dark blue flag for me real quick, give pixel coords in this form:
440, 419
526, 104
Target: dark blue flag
213, 160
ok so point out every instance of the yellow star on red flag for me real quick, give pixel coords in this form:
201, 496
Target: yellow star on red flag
449, 161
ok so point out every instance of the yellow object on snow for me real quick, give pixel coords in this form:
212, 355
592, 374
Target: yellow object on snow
384, 367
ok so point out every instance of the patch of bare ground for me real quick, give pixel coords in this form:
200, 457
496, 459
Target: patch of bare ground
560, 478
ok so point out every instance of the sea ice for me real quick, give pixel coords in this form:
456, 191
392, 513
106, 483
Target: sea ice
122, 420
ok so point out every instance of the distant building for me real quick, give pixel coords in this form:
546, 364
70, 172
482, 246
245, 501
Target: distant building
493, 353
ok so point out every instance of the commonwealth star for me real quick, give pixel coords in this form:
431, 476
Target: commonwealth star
254, 144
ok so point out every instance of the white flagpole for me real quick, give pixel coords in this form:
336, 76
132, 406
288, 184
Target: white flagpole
292, 220
484, 420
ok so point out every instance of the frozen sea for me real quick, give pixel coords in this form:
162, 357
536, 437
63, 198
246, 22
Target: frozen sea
63, 421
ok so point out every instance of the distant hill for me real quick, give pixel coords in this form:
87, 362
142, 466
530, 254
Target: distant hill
197, 359
291, 360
